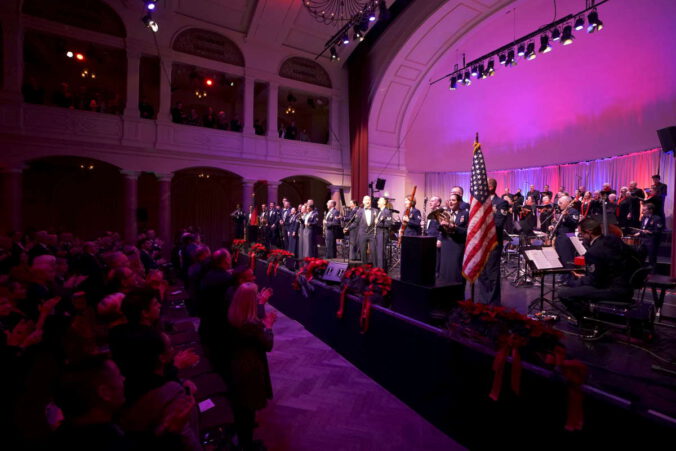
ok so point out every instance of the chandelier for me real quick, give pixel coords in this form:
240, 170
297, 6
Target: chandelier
332, 12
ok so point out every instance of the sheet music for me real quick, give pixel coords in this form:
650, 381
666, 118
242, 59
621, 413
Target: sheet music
579, 247
544, 260
552, 257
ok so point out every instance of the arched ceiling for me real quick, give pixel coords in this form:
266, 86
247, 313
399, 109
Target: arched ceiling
604, 95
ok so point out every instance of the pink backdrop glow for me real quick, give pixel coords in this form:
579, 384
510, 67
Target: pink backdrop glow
604, 95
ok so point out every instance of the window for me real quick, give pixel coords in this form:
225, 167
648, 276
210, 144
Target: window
303, 116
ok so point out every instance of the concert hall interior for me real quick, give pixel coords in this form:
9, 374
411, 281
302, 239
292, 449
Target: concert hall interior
337, 224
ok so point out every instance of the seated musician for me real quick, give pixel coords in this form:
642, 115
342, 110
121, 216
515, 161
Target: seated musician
610, 264
546, 213
413, 219
566, 223
527, 219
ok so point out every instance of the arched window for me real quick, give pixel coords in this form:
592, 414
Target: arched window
305, 70
210, 45
93, 15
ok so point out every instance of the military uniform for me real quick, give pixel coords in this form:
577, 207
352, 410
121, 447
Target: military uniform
453, 247
414, 228
651, 235
332, 227
383, 228
489, 279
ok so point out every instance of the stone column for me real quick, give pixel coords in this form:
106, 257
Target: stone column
133, 82
164, 210
249, 105
335, 195
164, 109
247, 194
130, 203
12, 197
273, 188
273, 92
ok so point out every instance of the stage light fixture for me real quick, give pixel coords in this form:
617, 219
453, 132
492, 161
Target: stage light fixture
556, 34
69, 54
567, 37
510, 58
150, 23
521, 50
482, 72
530, 51
502, 58
150, 5
595, 23
357, 33
579, 23
345, 39
475, 71
79, 57
467, 80
372, 16
383, 12
454, 84
545, 47
209, 82
490, 68
334, 54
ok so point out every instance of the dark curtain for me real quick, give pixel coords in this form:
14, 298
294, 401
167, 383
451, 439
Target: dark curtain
359, 117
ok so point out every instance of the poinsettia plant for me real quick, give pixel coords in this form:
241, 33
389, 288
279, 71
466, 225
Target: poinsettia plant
257, 250
237, 248
277, 257
311, 268
373, 283
509, 332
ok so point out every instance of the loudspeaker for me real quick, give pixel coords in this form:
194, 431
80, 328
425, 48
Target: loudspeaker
380, 184
418, 259
667, 138
334, 272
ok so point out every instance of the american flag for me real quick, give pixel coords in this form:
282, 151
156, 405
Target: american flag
481, 235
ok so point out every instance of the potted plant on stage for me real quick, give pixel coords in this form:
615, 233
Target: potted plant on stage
372, 283
311, 268
277, 257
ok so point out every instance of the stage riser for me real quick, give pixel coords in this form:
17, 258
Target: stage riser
447, 381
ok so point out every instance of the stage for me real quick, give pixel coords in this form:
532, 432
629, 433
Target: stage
447, 380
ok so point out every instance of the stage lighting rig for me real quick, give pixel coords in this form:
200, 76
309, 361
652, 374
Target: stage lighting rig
561, 30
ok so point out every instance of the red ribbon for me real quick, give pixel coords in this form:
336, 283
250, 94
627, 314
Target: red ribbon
365, 312
512, 344
252, 260
269, 270
341, 309
575, 373
235, 256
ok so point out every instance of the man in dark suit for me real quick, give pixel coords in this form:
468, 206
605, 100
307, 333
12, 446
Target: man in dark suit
310, 231
413, 220
239, 219
636, 195
432, 228
273, 226
545, 192
535, 194
382, 236
284, 219
610, 265
332, 225
364, 226
352, 235
658, 195
488, 282
651, 234
459, 191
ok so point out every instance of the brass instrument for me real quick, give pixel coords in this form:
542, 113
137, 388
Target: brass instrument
407, 213
441, 214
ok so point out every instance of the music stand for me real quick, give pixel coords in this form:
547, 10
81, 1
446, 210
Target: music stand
543, 261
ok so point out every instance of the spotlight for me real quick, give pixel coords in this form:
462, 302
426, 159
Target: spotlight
510, 58
334, 54
579, 23
556, 34
595, 23
502, 58
544, 44
69, 54
490, 68
530, 51
358, 34
372, 16
521, 50
475, 71
150, 23
79, 57
467, 80
454, 84
232, 83
482, 74
209, 82
567, 37
150, 5
345, 39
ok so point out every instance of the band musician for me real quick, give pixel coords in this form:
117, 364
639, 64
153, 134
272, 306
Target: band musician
239, 219
451, 241
413, 220
564, 223
331, 228
364, 228
651, 234
383, 223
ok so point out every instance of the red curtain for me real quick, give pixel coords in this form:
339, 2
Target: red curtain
359, 118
